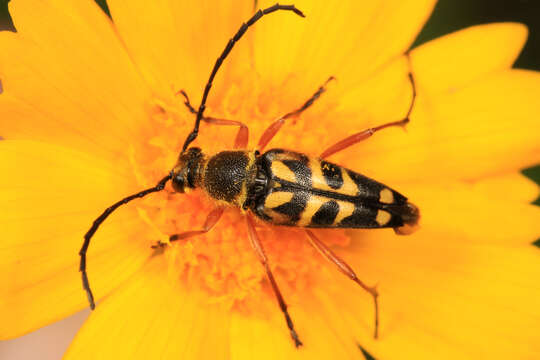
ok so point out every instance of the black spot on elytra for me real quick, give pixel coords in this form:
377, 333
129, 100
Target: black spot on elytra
362, 217
332, 175
294, 208
367, 188
326, 214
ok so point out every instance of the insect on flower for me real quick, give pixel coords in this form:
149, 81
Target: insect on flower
280, 187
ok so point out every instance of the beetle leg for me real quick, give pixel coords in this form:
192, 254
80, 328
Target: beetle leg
257, 246
242, 136
356, 138
272, 130
348, 271
211, 221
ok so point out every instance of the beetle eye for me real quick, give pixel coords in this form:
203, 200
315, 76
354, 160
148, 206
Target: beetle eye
178, 182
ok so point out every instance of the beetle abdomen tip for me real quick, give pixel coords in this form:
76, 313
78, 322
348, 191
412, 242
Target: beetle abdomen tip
410, 215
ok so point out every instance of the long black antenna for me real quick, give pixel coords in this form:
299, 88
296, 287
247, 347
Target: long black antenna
82, 268
259, 14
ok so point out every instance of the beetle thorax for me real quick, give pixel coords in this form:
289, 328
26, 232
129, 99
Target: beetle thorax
227, 174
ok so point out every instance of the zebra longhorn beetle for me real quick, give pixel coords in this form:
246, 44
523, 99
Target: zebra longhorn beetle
280, 187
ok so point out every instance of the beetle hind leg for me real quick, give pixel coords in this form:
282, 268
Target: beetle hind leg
363, 135
257, 246
349, 272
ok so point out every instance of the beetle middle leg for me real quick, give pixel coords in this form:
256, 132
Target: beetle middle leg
273, 129
348, 271
242, 136
211, 220
257, 246
356, 138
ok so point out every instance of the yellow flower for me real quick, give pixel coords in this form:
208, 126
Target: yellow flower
89, 115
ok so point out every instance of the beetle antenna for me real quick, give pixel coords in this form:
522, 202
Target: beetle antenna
82, 268
259, 14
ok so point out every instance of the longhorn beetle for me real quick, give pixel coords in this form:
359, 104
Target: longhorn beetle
280, 187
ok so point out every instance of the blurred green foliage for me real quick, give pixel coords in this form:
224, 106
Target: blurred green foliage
5, 19
103, 5
452, 15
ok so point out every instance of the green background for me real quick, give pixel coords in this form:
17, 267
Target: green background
451, 15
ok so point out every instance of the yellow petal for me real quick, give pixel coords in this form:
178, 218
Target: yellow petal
383, 97
446, 300
175, 43
486, 128
514, 187
152, 316
91, 98
490, 211
466, 112
267, 337
47, 203
447, 63
455, 60
456, 288
347, 39
174, 322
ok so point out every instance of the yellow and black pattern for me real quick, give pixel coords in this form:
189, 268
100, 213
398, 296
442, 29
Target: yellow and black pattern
303, 191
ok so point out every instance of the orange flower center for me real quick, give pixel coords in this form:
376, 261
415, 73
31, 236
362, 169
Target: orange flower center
222, 262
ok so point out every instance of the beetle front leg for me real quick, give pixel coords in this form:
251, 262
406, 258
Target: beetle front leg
211, 220
242, 136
